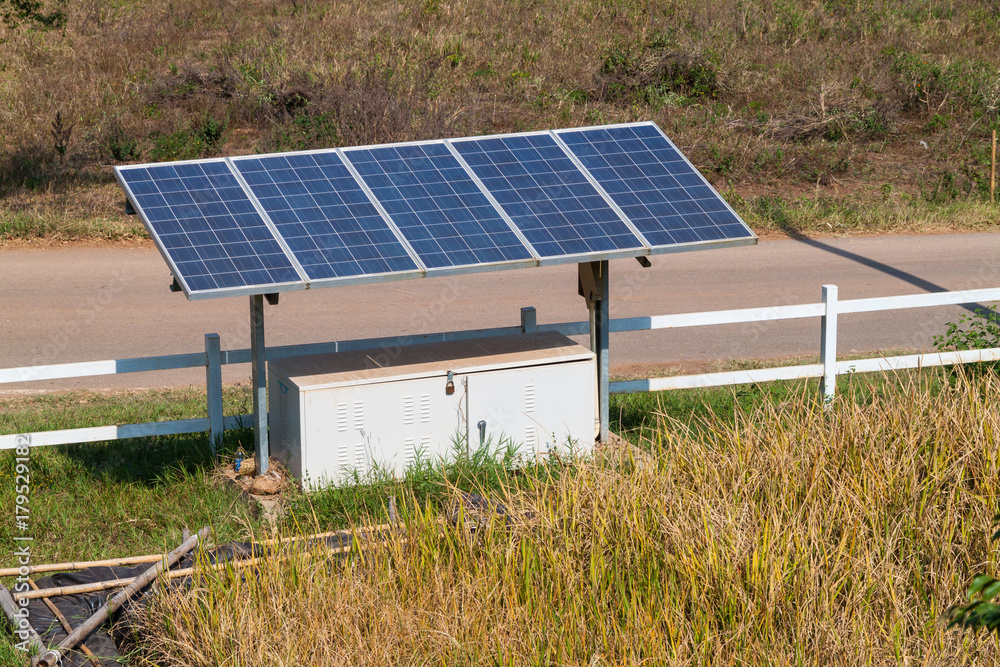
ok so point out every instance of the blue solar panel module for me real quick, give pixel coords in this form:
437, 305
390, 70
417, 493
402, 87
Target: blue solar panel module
208, 229
437, 206
326, 218
548, 198
657, 188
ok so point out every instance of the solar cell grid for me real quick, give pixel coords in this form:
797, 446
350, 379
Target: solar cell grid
437, 206
648, 178
324, 215
259, 224
548, 198
207, 225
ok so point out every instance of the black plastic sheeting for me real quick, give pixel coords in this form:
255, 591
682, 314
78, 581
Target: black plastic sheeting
107, 640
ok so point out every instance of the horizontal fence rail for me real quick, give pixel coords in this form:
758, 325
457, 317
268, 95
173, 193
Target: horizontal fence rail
213, 358
98, 368
102, 433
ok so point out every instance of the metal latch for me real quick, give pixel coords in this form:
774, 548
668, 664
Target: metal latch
482, 431
449, 388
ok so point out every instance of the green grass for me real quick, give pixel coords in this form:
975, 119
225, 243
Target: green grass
633, 415
127, 497
9, 655
81, 409
124, 497
893, 214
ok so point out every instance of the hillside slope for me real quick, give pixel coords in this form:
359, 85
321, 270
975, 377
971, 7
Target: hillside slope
813, 116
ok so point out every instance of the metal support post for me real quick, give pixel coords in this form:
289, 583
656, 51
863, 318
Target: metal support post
213, 383
529, 320
593, 286
828, 344
258, 382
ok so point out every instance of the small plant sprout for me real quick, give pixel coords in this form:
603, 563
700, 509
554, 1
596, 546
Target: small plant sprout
61, 135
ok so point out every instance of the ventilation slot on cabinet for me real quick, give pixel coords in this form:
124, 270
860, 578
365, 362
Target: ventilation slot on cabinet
529, 397
410, 450
530, 442
344, 454
408, 410
360, 460
425, 408
359, 415
342, 418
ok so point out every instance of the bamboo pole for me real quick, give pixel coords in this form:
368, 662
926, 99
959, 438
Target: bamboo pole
52, 658
78, 589
96, 586
334, 533
152, 558
12, 611
91, 658
81, 565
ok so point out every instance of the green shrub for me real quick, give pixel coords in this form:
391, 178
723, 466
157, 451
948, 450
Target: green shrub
119, 144
180, 145
32, 13
965, 83
975, 331
193, 142
210, 131
654, 76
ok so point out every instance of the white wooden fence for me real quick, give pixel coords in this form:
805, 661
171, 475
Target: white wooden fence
213, 358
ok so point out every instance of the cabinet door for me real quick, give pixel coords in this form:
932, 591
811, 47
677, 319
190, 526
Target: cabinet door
540, 409
386, 425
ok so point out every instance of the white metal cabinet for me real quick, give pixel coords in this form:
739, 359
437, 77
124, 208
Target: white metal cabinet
330, 414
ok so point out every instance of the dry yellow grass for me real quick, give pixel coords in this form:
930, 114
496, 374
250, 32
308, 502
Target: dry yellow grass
789, 536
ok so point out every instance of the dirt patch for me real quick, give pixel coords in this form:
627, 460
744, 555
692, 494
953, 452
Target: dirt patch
266, 491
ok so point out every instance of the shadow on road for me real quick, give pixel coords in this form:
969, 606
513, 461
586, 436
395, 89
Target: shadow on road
905, 276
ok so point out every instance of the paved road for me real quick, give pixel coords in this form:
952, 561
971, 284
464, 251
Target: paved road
78, 304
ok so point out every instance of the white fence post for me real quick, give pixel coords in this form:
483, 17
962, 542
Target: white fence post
213, 385
828, 344
529, 320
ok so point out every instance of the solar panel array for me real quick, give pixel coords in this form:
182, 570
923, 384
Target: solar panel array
270, 223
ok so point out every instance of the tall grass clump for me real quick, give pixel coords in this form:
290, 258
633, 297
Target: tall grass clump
786, 536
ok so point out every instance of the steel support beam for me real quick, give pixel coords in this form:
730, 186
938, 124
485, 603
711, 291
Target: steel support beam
593, 286
213, 385
258, 383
